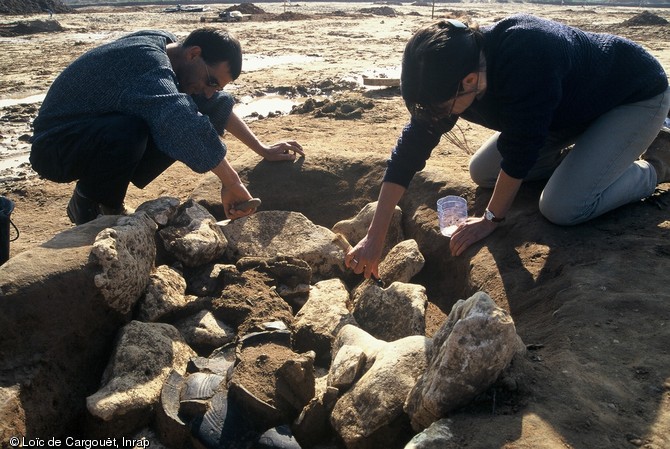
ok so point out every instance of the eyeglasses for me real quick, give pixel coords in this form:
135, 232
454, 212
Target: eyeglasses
211, 81
433, 113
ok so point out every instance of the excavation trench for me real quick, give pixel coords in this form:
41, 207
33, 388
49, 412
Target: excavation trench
328, 190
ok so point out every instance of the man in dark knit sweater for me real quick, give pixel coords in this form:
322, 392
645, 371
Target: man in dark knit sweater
125, 111
543, 86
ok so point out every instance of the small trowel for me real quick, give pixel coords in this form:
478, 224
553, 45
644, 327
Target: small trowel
253, 203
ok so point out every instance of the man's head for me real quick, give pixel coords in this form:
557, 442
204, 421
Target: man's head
212, 58
436, 60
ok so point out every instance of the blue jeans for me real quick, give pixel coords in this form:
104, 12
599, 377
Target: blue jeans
601, 172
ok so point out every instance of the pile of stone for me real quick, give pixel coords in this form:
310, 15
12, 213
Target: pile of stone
251, 334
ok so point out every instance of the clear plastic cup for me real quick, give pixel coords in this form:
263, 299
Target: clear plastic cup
451, 212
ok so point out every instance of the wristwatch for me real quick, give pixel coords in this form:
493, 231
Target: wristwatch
490, 216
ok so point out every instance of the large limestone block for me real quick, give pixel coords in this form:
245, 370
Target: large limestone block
144, 356
204, 332
402, 262
192, 236
351, 335
283, 233
164, 294
394, 312
347, 367
437, 436
125, 254
60, 305
470, 351
370, 414
322, 317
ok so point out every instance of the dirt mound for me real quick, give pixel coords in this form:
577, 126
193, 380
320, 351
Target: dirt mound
379, 11
288, 15
246, 8
30, 27
646, 18
32, 6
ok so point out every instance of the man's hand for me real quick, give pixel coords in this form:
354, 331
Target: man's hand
232, 190
472, 231
283, 151
365, 256
232, 195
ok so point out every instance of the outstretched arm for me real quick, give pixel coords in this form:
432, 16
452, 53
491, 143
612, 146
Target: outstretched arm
280, 151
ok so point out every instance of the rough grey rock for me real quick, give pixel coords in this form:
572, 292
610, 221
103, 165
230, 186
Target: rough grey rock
52, 289
281, 233
394, 312
126, 254
164, 294
402, 262
470, 351
144, 356
193, 237
370, 414
161, 210
204, 332
296, 382
351, 335
437, 436
321, 318
313, 422
209, 280
279, 437
347, 367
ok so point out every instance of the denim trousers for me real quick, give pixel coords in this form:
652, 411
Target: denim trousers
600, 172
104, 154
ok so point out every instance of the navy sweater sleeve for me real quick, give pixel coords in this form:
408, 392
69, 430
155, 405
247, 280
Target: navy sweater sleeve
412, 150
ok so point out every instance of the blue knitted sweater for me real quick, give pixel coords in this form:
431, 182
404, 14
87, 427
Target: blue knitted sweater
541, 76
133, 76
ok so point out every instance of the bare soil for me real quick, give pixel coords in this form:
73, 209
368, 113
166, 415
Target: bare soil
600, 379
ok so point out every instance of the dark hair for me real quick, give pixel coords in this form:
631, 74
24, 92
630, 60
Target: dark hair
217, 46
435, 61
